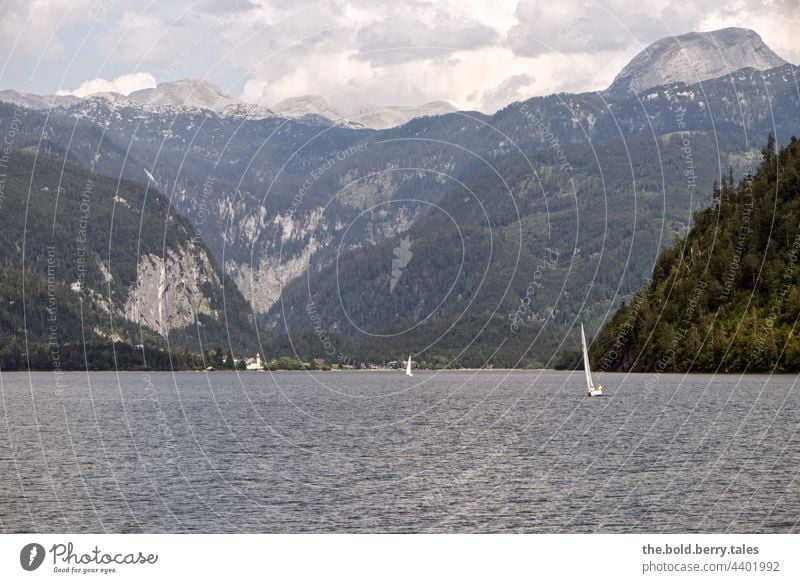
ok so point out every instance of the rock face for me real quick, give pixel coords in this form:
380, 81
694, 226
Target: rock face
169, 293
306, 105
191, 94
694, 57
378, 117
297, 239
381, 117
187, 93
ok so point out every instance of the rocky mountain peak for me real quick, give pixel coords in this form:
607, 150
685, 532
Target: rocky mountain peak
306, 105
387, 116
198, 93
693, 57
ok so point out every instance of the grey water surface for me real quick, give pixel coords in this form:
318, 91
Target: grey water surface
488, 451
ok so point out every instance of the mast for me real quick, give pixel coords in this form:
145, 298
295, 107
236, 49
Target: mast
586, 369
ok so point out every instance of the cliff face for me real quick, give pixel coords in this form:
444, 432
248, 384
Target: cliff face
281, 248
696, 56
171, 292
116, 258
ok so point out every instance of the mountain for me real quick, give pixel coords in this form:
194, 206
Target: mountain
724, 297
200, 94
186, 95
197, 93
279, 201
513, 256
304, 105
368, 115
695, 57
33, 101
107, 259
381, 117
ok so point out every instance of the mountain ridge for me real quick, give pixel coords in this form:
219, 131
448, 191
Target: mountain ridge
160, 283
204, 95
283, 194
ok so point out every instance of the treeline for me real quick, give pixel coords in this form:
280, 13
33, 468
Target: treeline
725, 297
94, 356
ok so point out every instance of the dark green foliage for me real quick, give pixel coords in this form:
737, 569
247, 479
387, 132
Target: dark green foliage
500, 271
70, 243
725, 296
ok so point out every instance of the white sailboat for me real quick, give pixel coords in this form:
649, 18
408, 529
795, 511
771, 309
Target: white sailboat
408, 367
591, 391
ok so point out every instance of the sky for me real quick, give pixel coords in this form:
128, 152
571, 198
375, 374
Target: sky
476, 54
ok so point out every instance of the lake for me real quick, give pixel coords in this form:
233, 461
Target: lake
464, 451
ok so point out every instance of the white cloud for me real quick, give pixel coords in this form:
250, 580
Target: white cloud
407, 40
31, 27
124, 84
474, 53
505, 92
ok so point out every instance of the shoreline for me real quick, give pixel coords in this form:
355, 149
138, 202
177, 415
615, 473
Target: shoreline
399, 371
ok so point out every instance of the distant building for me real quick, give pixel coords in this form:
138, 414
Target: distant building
255, 363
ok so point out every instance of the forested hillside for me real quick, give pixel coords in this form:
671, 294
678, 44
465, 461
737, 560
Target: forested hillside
725, 297
501, 268
87, 261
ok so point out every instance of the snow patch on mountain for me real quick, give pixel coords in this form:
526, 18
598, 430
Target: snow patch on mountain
170, 98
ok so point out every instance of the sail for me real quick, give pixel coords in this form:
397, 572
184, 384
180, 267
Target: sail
408, 366
587, 370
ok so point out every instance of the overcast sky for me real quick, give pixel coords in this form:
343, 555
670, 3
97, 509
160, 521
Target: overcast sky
477, 54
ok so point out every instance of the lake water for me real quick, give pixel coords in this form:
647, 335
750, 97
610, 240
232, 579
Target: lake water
459, 451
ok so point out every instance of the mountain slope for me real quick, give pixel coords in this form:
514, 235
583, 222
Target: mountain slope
271, 196
695, 57
303, 105
197, 93
725, 297
33, 101
381, 117
265, 233
586, 238
139, 271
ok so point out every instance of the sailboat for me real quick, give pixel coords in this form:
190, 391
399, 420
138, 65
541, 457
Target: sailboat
408, 367
591, 391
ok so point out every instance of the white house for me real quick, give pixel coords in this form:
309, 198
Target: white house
255, 364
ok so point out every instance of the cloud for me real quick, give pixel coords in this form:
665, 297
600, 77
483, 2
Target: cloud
472, 53
385, 42
573, 26
596, 26
30, 28
124, 84
508, 91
